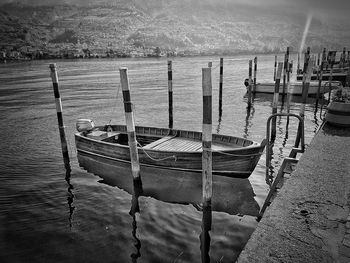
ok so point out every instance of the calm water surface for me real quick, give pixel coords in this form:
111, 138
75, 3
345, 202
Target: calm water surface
48, 217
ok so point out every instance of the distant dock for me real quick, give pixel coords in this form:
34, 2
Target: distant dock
309, 220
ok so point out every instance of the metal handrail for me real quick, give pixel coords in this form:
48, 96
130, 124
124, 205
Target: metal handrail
294, 150
267, 202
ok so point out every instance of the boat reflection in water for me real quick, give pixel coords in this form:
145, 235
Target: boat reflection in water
230, 195
234, 196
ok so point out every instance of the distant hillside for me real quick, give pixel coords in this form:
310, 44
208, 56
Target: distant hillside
197, 25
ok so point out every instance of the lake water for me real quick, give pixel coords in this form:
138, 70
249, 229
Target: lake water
48, 217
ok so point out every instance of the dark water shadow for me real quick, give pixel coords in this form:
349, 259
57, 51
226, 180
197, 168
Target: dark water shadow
231, 195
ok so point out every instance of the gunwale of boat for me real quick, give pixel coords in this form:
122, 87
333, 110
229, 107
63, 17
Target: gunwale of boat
221, 143
324, 83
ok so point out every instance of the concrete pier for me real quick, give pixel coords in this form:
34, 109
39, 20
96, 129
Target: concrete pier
309, 220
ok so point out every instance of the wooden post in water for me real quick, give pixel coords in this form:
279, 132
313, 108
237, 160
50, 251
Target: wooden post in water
342, 58
275, 68
207, 179
305, 92
255, 70
331, 56
275, 99
250, 84
306, 63
221, 82
170, 93
320, 76
285, 68
289, 73
347, 80
58, 102
130, 124
324, 55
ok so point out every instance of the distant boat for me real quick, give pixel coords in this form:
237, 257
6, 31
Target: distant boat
165, 148
296, 87
337, 75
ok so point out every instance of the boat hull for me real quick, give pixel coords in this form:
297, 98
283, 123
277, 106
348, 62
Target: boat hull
295, 88
239, 162
336, 76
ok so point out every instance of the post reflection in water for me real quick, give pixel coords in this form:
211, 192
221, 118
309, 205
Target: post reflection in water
219, 122
248, 120
205, 236
70, 198
135, 208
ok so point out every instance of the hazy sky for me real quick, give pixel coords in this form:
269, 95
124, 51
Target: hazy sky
332, 8
324, 7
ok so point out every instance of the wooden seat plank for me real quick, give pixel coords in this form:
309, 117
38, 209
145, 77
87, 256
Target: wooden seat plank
156, 143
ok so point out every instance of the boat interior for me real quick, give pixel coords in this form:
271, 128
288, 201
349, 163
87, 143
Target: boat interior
172, 140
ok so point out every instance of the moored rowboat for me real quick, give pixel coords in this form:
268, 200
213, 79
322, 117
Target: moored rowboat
167, 149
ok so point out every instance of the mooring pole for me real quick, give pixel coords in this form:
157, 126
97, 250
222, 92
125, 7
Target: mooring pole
285, 68
221, 82
275, 99
332, 55
289, 73
342, 58
255, 71
130, 124
207, 136
320, 77
58, 102
305, 92
207, 177
250, 84
306, 63
275, 68
170, 93
347, 79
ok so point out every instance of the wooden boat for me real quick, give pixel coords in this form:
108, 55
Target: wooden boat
296, 87
169, 149
336, 76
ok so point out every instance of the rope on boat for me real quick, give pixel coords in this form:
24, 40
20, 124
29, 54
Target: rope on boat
240, 155
154, 159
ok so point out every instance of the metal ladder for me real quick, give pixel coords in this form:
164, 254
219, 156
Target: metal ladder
288, 162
